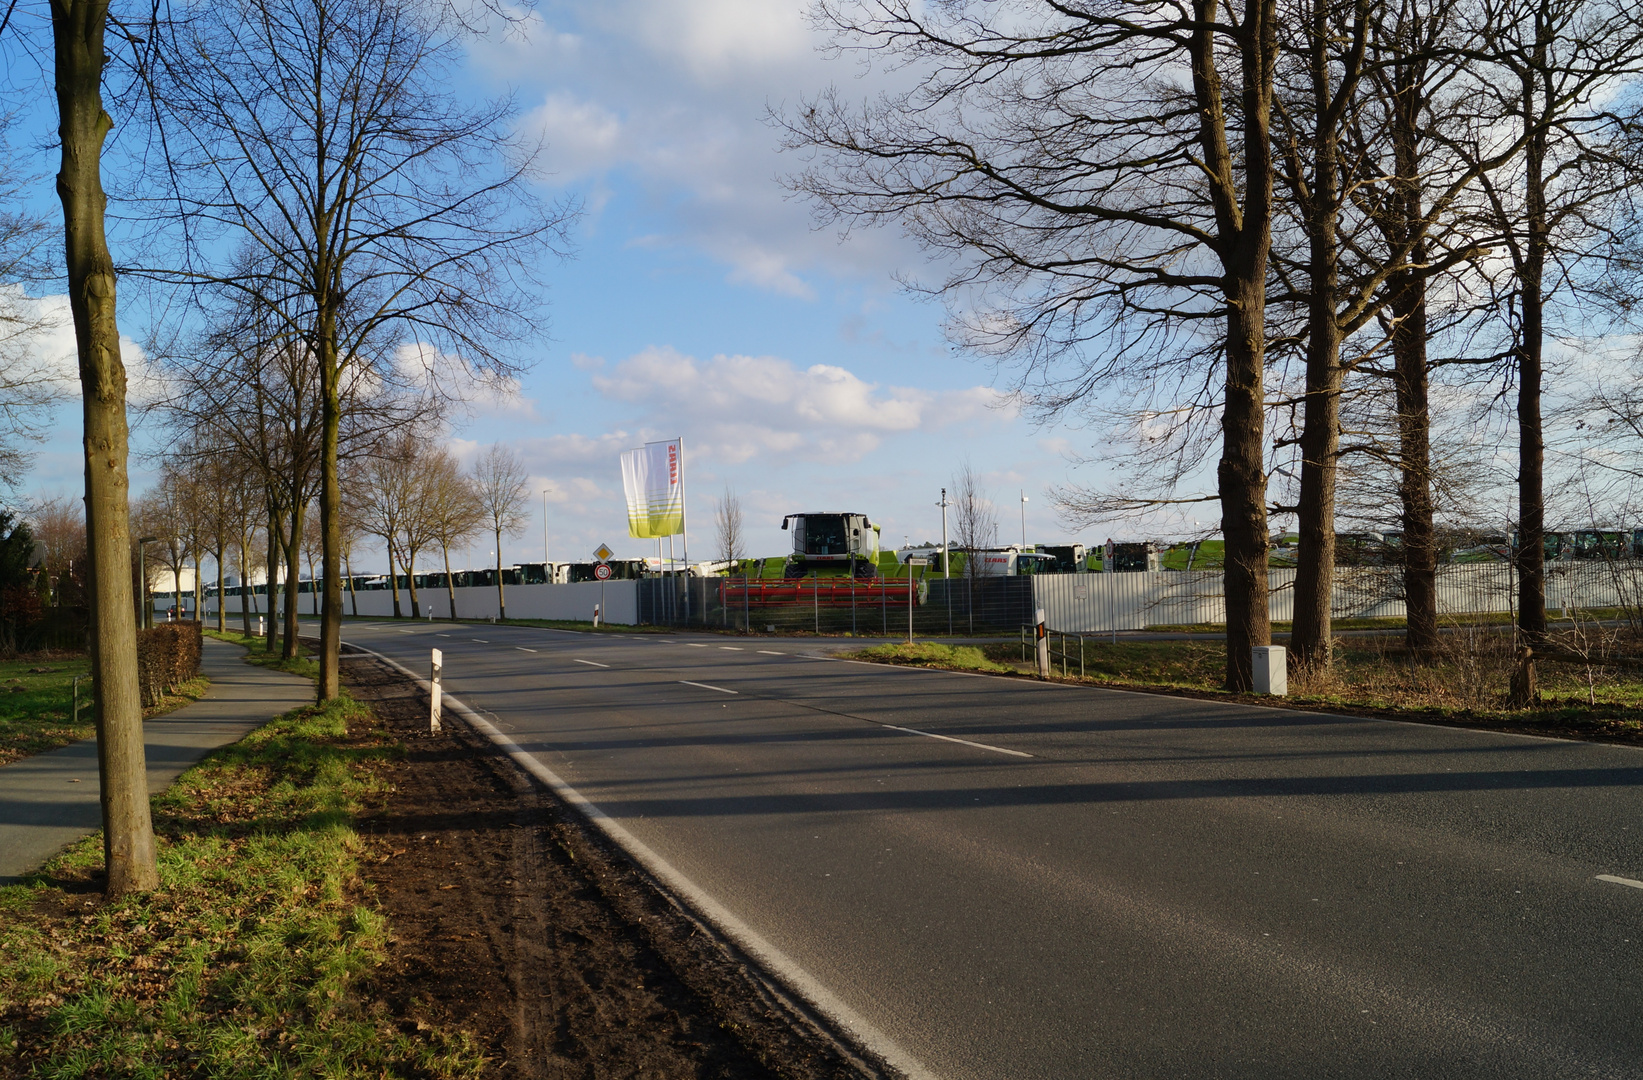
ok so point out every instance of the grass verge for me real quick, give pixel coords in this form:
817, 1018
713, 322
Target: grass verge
256, 652
37, 703
1465, 686
932, 655
249, 959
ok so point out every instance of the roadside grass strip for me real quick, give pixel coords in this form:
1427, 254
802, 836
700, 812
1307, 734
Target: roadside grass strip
256, 652
250, 959
933, 655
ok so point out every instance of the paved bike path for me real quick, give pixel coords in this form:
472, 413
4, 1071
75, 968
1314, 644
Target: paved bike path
51, 800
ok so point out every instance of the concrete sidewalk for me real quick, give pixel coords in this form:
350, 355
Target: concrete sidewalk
50, 800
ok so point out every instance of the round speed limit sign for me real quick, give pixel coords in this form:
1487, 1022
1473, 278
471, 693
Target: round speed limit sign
602, 571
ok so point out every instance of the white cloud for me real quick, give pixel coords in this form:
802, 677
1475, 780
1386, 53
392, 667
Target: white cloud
671, 96
736, 408
47, 350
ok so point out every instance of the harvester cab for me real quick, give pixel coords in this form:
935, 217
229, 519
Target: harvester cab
832, 544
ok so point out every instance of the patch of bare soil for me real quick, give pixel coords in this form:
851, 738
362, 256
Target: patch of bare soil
515, 920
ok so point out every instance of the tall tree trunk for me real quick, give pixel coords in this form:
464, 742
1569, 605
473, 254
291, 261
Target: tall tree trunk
293, 582
330, 512
245, 584
1531, 548
221, 585
128, 832
1411, 380
1243, 208
393, 578
450, 586
410, 582
353, 597
501, 601
276, 543
1313, 635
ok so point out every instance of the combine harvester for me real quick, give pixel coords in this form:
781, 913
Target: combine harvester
834, 564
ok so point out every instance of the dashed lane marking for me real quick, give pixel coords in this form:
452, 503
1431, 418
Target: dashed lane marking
695, 645
481, 640
522, 648
731, 648
705, 686
767, 652
1626, 881
590, 663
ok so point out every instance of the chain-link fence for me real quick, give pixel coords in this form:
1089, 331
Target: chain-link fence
925, 606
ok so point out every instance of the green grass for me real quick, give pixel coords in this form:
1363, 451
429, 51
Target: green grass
930, 654
257, 653
1467, 685
248, 960
41, 717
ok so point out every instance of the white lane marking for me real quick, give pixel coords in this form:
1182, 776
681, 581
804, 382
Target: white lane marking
481, 640
806, 985
767, 652
522, 648
442, 635
590, 663
1620, 881
949, 738
731, 648
705, 686
694, 644
407, 631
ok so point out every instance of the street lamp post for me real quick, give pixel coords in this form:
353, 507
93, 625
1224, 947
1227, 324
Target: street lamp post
145, 613
1023, 521
547, 560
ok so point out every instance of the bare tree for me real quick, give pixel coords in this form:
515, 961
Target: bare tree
128, 831
325, 131
502, 487
455, 512
59, 527
975, 519
727, 521
28, 383
1095, 173
1560, 65
385, 495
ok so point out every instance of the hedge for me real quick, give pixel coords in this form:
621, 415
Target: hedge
167, 656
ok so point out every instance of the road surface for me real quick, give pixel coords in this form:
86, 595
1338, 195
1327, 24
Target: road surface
1010, 879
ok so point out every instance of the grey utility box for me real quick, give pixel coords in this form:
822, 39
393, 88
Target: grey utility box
1271, 670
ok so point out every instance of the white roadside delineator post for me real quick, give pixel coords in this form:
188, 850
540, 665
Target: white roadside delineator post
1041, 634
1271, 670
433, 691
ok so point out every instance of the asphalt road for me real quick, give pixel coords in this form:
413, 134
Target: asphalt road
1083, 883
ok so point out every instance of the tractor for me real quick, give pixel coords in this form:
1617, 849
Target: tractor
840, 544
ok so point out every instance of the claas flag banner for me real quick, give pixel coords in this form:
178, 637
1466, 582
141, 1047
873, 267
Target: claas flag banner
653, 477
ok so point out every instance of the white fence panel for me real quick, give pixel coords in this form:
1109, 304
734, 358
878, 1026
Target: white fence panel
621, 599
1100, 603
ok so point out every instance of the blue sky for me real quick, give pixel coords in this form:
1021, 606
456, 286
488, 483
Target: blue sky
702, 302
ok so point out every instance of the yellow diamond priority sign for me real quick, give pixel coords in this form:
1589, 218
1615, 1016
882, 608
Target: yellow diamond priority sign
603, 553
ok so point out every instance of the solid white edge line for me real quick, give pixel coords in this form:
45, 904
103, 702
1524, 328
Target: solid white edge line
721, 918
705, 686
1611, 879
590, 663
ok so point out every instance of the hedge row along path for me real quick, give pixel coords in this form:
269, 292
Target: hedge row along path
50, 800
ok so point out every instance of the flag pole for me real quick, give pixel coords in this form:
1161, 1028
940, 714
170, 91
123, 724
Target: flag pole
684, 525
